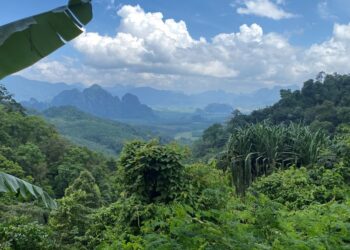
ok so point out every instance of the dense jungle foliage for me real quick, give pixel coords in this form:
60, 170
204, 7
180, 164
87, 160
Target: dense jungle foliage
268, 183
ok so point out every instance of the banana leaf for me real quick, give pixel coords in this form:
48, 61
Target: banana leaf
12, 184
24, 42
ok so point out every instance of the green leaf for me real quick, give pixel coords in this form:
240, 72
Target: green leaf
24, 42
12, 184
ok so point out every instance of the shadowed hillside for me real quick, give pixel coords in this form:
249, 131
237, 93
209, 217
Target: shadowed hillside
98, 134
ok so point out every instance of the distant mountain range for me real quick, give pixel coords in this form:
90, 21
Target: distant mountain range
170, 99
25, 89
97, 101
216, 108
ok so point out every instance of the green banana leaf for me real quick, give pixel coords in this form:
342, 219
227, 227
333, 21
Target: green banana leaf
11, 184
24, 42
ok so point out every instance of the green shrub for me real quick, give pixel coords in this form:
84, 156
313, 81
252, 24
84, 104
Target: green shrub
22, 234
299, 188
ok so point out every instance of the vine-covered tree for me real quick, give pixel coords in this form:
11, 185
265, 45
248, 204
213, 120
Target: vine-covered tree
151, 171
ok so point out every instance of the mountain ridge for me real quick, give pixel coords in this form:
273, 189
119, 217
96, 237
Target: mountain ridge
25, 89
97, 101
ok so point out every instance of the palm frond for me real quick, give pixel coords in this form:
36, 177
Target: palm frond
24, 42
12, 184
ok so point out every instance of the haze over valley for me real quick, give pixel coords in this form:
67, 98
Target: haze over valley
169, 115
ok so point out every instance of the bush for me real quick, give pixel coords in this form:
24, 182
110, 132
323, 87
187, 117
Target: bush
299, 188
20, 233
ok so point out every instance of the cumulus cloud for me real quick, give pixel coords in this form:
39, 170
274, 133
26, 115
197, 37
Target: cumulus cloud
264, 8
331, 55
67, 70
150, 50
147, 43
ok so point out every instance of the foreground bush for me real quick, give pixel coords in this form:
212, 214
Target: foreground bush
22, 234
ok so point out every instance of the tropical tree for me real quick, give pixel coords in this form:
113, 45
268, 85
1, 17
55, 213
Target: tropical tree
71, 219
7, 100
152, 171
86, 182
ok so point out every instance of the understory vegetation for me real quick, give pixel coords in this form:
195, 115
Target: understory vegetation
276, 179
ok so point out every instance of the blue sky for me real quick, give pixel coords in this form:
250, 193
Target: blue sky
226, 44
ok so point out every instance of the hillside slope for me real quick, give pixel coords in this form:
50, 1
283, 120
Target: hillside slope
322, 103
95, 133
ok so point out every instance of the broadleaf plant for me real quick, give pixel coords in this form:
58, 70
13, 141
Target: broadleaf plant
12, 184
26, 41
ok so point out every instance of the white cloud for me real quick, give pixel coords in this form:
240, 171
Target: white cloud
110, 5
324, 11
264, 8
147, 43
153, 28
332, 55
67, 70
150, 50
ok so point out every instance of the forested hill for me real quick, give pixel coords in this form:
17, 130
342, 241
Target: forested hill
32, 149
323, 103
96, 133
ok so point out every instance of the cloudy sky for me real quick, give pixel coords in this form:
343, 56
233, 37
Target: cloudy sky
197, 45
